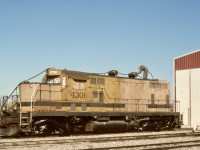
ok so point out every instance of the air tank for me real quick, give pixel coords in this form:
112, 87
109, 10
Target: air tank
113, 73
132, 75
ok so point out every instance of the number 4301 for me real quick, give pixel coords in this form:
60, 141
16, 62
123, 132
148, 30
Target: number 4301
78, 94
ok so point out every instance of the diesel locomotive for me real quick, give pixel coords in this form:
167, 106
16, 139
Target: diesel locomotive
68, 101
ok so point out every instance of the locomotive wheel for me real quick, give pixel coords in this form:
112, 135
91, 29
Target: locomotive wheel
158, 126
168, 125
144, 124
41, 129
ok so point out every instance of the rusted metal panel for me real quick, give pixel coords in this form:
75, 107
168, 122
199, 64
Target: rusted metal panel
189, 61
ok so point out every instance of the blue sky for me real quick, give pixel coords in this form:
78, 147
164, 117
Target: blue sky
94, 36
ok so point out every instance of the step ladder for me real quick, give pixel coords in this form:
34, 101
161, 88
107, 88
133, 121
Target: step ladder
26, 118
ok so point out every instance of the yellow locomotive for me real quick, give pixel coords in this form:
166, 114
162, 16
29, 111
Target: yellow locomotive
72, 101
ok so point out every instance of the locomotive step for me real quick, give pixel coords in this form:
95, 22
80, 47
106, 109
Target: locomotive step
24, 117
25, 124
26, 130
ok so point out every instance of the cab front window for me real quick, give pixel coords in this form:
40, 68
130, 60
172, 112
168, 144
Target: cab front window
53, 80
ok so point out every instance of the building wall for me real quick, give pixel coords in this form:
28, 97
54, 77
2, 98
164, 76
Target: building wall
188, 93
182, 94
187, 87
195, 97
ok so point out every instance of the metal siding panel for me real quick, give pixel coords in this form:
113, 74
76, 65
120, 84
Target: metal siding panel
182, 62
178, 64
185, 62
190, 61
195, 94
182, 93
198, 60
193, 60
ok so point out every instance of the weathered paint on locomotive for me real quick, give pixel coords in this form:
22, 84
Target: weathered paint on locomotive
71, 91
70, 101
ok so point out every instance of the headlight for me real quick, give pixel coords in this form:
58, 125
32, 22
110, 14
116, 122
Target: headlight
4, 108
15, 108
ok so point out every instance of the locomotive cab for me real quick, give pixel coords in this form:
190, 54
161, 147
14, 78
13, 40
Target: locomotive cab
52, 76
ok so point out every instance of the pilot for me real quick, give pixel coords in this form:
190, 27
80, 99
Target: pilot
144, 70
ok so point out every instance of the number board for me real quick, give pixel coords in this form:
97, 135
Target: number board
78, 95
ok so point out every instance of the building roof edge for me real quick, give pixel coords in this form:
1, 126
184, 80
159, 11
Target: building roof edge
187, 54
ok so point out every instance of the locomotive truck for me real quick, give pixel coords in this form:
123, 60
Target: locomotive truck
68, 101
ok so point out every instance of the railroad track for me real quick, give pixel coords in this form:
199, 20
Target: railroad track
131, 141
160, 146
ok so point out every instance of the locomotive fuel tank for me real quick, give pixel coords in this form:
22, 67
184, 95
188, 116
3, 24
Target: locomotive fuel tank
107, 126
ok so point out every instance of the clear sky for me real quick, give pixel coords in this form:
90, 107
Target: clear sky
94, 36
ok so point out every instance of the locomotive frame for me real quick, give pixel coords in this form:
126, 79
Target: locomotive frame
72, 101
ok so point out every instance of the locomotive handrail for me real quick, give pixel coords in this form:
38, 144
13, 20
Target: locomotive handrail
4, 102
21, 83
34, 92
20, 113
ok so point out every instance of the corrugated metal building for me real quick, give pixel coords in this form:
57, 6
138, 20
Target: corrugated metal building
187, 87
